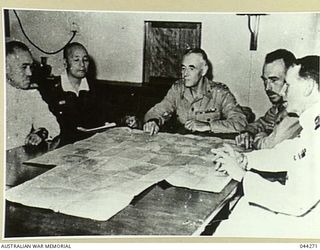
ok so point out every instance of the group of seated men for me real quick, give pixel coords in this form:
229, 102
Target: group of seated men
199, 105
53, 108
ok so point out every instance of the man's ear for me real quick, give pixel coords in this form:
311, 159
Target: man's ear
8, 71
204, 69
310, 84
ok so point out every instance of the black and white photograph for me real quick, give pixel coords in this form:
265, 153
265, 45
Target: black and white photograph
151, 124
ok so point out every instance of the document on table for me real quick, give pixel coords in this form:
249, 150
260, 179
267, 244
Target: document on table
97, 177
95, 189
199, 177
106, 125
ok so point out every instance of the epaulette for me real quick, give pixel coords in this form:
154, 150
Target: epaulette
219, 85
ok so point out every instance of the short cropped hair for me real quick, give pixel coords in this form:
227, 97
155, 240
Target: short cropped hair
13, 46
198, 51
309, 67
69, 46
287, 56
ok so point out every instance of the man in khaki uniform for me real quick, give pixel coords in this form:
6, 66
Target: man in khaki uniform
276, 125
200, 104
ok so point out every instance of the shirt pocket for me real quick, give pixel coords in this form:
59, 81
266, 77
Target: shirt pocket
208, 116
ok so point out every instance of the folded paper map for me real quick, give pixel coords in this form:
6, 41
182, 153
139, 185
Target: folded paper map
97, 177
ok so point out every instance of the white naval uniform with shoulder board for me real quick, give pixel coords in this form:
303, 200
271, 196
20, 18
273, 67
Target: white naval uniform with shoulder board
292, 210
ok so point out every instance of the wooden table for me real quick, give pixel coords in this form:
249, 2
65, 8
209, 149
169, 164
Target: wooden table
160, 210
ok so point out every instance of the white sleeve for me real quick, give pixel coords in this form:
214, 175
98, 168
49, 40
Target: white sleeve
289, 199
302, 188
276, 159
42, 117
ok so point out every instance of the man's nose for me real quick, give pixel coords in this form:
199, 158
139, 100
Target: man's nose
284, 91
268, 85
185, 73
28, 71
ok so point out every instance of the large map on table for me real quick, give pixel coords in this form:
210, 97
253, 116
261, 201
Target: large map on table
97, 177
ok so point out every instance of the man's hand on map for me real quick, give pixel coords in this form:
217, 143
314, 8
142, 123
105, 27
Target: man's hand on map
151, 127
36, 137
227, 160
245, 140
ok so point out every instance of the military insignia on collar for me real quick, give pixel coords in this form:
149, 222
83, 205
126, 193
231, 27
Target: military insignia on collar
300, 155
317, 122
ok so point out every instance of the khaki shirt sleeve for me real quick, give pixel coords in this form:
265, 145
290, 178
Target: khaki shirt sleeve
233, 118
264, 123
163, 111
288, 128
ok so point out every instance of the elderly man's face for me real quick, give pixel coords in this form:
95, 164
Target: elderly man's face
193, 68
273, 76
18, 69
295, 90
77, 63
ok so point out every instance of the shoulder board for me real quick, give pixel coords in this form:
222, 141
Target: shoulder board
219, 85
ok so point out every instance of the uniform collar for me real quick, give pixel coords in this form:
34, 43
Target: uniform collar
66, 85
205, 90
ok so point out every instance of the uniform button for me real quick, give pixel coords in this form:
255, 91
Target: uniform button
60, 112
208, 120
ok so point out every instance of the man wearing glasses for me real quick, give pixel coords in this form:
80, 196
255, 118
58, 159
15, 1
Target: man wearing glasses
276, 125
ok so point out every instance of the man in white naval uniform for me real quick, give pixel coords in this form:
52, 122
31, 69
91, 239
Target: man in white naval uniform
271, 209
